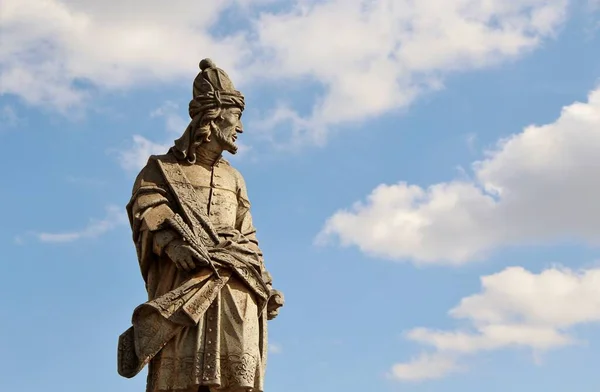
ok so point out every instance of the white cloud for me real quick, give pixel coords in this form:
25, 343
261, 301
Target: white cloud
136, 157
425, 367
536, 186
51, 46
174, 122
115, 216
376, 56
515, 308
372, 55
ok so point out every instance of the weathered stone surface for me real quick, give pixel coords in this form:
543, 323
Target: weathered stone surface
204, 327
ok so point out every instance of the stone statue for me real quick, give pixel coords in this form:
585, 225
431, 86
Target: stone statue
204, 327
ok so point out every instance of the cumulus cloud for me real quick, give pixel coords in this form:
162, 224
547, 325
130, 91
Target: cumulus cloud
52, 49
115, 216
534, 187
374, 56
515, 308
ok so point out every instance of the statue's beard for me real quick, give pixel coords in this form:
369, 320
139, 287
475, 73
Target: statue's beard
227, 143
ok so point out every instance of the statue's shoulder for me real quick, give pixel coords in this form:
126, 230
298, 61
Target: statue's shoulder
233, 172
240, 184
168, 157
151, 175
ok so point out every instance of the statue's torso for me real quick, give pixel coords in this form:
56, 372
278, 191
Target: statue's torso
217, 190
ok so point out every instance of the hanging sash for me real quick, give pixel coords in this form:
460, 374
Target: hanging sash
202, 228
186, 196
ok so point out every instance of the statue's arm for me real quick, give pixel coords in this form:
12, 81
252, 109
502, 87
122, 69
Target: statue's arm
150, 207
246, 227
155, 237
243, 221
151, 210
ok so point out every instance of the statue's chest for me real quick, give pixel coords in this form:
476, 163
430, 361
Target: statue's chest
216, 191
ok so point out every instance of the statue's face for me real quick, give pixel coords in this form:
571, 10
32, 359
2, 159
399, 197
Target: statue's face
228, 127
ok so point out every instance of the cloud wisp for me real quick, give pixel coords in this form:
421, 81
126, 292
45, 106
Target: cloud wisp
275, 348
115, 217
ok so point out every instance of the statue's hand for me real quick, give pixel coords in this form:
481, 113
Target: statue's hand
184, 256
276, 301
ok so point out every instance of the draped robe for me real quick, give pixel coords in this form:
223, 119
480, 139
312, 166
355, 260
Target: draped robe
197, 328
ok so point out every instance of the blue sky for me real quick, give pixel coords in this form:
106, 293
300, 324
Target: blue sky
423, 177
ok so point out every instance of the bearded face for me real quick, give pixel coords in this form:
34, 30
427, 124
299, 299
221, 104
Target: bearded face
227, 127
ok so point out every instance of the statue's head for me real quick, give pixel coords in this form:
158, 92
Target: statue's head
216, 110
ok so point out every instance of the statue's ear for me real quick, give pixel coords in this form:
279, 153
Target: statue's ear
198, 137
213, 126
219, 118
